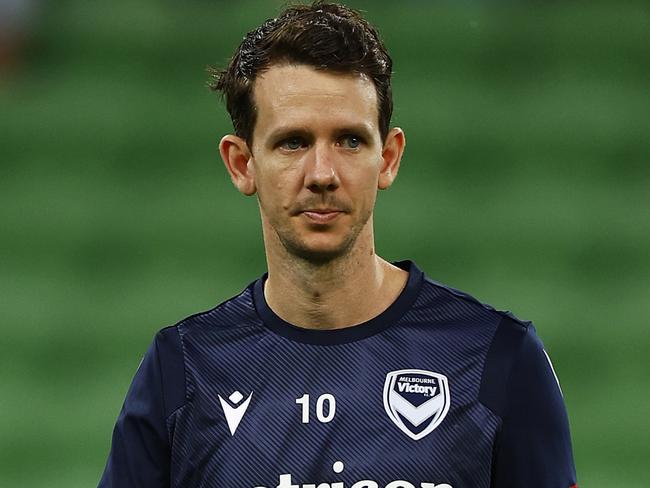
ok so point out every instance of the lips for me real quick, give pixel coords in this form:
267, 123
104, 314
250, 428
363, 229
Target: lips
321, 216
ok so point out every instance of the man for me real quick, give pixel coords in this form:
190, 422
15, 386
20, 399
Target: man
336, 369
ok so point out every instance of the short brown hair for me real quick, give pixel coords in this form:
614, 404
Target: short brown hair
323, 35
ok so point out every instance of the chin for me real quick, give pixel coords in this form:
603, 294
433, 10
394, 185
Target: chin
318, 252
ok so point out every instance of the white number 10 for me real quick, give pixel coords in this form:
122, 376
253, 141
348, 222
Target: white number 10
320, 407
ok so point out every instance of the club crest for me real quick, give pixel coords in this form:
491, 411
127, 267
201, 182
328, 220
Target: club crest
417, 401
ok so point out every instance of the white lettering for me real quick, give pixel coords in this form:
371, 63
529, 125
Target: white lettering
415, 388
320, 407
304, 401
286, 481
399, 484
365, 484
325, 398
410, 379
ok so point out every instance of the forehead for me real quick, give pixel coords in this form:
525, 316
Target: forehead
299, 95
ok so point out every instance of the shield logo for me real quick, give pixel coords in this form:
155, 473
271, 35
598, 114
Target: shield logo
417, 401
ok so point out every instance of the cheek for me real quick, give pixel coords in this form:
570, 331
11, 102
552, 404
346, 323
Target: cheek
371, 179
362, 190
364, 180
370, 197
278, 185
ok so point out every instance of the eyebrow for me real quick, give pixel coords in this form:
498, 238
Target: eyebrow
363, 130
283, 132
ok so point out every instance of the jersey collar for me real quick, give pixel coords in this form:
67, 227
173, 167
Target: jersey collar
347, 334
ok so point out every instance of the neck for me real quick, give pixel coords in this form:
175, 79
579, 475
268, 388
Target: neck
345, 291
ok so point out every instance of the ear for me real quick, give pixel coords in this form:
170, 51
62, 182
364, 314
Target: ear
391, 155
239, 162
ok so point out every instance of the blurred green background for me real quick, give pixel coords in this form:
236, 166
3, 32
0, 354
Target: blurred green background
526, 182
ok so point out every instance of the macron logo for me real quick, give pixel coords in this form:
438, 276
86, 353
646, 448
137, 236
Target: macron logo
234, 409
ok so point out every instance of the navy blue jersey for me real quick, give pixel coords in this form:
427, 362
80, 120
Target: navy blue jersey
438, 391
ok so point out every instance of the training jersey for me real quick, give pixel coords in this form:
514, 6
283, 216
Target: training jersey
438, 391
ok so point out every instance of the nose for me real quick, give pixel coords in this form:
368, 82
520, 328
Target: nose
320, 170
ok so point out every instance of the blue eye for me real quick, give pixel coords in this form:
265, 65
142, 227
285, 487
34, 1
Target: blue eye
351, 141
293, 143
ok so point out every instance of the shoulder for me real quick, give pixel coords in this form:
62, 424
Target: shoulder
448, 304
168, 352
234, 313
514, 357
516, 362
503, 342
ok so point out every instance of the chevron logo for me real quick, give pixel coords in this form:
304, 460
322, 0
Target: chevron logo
234, 409
416, 400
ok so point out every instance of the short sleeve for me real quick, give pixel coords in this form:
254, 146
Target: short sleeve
140, 449
533, 445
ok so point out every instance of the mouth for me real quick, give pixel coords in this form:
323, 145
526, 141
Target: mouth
321, 216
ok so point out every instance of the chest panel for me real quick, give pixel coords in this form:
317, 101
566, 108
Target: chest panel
269, 412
